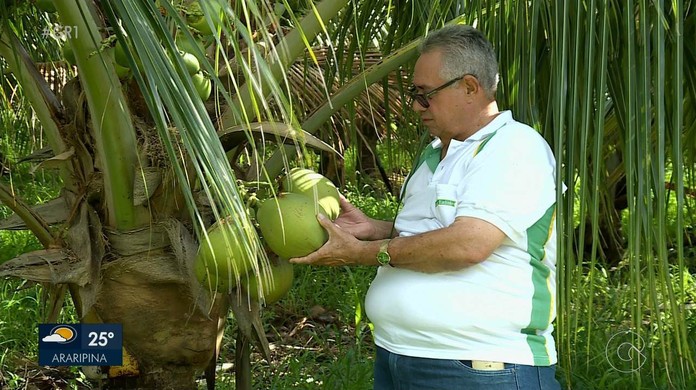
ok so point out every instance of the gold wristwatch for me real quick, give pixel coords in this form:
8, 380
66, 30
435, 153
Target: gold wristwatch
383, 257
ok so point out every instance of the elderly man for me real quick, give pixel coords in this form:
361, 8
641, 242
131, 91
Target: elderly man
465, 293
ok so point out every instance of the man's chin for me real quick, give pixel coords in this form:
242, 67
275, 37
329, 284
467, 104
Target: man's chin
432, 131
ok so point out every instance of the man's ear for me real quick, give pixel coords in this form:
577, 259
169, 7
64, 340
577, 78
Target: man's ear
471, 84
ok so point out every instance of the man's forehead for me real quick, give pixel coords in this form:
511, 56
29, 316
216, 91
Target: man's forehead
426, 73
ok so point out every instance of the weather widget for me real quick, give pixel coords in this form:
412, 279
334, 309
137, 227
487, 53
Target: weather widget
80, 344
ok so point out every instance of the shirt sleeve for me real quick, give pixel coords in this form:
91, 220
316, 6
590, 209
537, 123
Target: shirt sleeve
510, 183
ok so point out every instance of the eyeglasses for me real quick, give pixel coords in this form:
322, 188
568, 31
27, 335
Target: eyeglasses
423, 98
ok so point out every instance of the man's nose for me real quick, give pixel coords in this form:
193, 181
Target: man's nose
417, 107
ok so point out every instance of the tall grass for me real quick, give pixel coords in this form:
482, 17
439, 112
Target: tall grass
616, 356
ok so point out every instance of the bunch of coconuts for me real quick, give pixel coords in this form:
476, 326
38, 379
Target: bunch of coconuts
288, 225
187, 49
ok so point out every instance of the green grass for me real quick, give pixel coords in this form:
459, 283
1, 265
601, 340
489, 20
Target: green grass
19, 312
318, 334
14, 243
611, 351
34, 189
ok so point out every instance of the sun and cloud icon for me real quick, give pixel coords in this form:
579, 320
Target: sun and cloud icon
60, 334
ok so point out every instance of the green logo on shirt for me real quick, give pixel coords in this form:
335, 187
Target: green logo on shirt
445, 202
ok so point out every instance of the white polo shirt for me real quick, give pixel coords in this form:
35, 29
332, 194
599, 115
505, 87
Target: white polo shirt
502, 308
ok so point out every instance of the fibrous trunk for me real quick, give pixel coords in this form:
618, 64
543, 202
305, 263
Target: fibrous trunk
163, 326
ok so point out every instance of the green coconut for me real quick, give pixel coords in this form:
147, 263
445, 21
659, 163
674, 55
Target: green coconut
120, 55
202, 84
222, 257
197, 20
191, 62
273, 288
289, 225
188, 45
192, 46
316, 186
121, 71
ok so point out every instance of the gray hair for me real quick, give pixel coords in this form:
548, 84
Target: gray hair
464, 50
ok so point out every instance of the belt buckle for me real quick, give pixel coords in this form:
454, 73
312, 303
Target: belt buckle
485, 365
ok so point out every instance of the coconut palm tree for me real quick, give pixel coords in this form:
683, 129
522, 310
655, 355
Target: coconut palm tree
147, 164
120, 188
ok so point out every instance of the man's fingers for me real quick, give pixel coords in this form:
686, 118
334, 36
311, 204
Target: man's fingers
345, 204
325, 222
308, 259
319, 256
298, 260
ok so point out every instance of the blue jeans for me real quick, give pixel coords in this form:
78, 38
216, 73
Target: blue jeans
398, 372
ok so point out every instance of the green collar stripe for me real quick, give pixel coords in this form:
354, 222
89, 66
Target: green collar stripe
430, 156
542, 301
484, 142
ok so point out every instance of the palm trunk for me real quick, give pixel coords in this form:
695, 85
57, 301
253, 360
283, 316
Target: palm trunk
142, 281
163, 327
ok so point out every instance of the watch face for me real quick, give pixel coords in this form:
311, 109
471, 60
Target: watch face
383, 258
